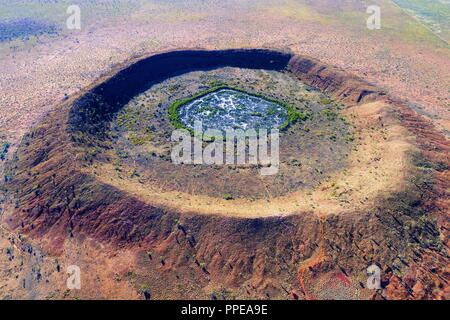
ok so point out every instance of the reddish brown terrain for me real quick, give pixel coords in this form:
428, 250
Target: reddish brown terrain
389, 205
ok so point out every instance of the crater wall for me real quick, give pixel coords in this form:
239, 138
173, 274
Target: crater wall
52, 199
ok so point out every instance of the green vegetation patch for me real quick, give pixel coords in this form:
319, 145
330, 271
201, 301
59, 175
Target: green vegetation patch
293, 115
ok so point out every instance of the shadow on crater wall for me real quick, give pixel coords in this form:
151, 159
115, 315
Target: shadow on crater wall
100, 103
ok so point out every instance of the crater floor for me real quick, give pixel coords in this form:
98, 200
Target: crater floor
231, 109
311, 148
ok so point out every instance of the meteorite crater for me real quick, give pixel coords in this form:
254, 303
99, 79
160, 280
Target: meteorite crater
118, 134
98, 168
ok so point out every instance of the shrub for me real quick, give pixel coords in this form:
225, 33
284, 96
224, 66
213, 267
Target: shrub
4, 150
326, 101
228, 196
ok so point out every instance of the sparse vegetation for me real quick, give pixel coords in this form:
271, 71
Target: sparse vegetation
140, 138
326, 101
293, 117
330, 114
228, 196
4, 147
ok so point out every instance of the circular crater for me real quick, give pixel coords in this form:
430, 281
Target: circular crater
355, 176
336, 133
